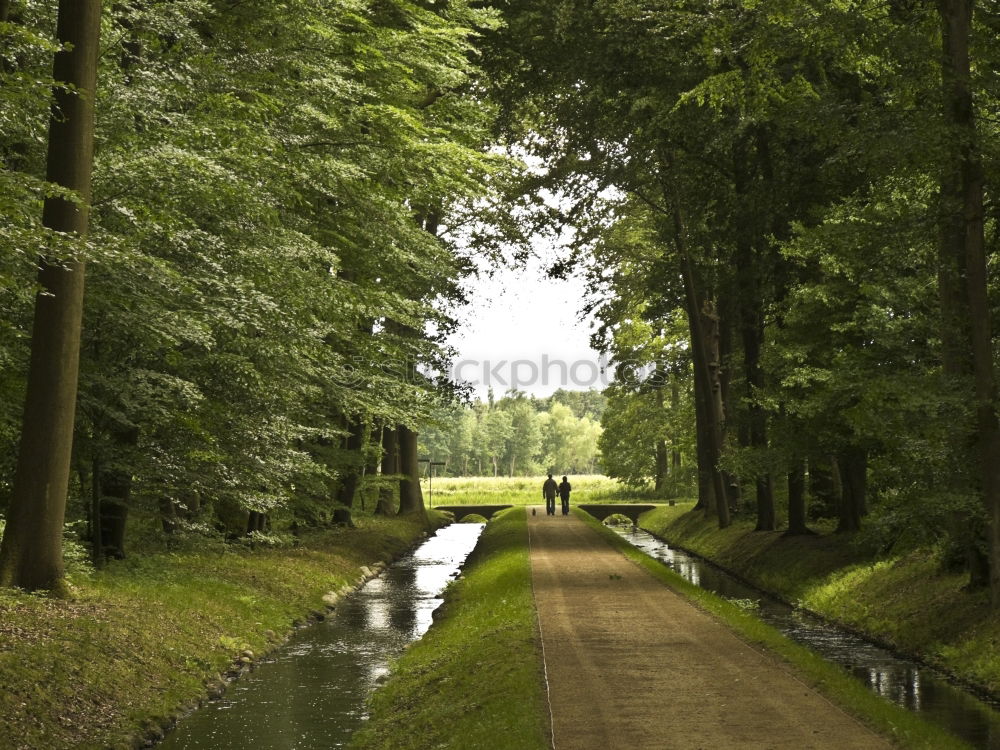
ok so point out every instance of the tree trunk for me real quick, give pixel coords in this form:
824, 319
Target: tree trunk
706, 370
349, 480
853, 465
703, 456
96, 538
824, 484
116, 492
712, 369
31, 551
659, 480
660, 470
390, 451
370, 468
766, 514
389, 467
797, 501
751, 317
168, 515
192, 504
962, 195
256, 521
675, 405
752, 325
411, 499
722, 320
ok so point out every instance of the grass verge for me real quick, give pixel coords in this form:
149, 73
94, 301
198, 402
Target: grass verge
905, 600
150, 636
475, 679
905, 729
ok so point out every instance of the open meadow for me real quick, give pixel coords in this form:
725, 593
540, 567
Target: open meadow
588, 488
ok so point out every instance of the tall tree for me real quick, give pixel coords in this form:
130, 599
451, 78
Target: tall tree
31, 551
964, 293
411, 498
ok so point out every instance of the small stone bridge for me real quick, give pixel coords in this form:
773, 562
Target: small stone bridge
600, 512
461, 511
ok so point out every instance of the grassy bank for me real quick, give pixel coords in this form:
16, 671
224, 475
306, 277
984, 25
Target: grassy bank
152, 634
474, 680
906, 600
906, 729
591, 488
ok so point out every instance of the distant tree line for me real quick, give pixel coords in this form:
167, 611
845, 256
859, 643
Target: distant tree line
517, 435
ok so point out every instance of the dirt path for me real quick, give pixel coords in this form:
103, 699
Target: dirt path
632, 665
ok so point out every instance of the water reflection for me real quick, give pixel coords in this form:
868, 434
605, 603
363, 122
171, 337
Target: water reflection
911, 685
312, 693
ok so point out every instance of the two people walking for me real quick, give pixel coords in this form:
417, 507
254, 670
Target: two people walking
549, 491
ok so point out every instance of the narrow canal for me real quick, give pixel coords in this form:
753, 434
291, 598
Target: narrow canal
311, 693
911, 685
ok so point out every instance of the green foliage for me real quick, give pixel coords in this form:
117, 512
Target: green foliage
518, 435
799, 153
262, 255
633, 425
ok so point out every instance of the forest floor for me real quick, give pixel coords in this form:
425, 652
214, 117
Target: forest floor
620, 648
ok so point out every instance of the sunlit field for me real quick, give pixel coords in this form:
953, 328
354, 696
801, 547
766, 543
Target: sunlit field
589, 488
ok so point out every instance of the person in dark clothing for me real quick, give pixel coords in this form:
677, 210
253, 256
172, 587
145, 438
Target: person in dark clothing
549, 493
564, 489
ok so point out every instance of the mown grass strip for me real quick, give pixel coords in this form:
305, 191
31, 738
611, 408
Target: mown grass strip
475, 679
906, 729
150, 635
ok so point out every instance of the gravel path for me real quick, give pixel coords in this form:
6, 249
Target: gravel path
632, 665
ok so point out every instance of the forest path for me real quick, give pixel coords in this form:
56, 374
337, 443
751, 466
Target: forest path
632, 665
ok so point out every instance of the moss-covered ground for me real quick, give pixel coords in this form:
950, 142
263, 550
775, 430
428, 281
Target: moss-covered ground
475, 679
150, 635
906, 600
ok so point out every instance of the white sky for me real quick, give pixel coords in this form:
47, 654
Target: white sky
528, 327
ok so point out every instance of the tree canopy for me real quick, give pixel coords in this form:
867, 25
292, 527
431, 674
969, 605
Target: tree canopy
811, 185
785, 212
272, 252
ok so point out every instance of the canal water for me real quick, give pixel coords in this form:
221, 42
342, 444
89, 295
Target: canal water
311, 693
911, 685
